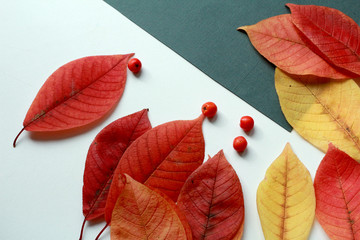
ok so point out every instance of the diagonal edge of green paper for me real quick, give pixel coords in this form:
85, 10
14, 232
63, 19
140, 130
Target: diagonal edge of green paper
204, 33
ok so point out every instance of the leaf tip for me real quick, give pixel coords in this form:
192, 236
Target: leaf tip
221, 152
287, 149
288, 146
331, 146
287, 154
242, 28
290, 5
144, 111
129, 56
123, 178
219, 157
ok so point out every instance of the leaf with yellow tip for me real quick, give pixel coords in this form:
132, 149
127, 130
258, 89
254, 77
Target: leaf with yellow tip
286, 199
322, 113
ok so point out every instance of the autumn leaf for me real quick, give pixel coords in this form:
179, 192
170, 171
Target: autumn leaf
278, 40
286, 199
337, 187
102, 158
239, 234
322, 113
212, 201
77, 94
141, 213
178, 212
335, 35
162, 158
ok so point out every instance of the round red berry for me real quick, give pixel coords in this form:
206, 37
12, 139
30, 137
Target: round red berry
240, 144
209, 109
247, 123
134, 65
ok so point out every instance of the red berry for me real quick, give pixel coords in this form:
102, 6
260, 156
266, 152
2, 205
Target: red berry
134, 65
246, 123
240, 144
209, 109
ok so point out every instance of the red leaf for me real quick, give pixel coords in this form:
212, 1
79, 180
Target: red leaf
141, 213
162, 158
337, 190
212, 200
335, 35
78, 93
278, 40
103, 157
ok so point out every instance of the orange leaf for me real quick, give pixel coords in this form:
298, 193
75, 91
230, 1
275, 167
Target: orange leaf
162, 158
337, 190
278, 40
335, 35
141, 213
178, 212
77, 94
212, 201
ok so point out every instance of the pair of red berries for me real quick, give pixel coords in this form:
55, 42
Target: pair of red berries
209, 110
240, 143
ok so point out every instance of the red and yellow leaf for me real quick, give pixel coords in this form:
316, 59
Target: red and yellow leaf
141, 213
322, 112
103, 156
278, 40
337, 189
78, 93
335, 35
162, 158
212, 200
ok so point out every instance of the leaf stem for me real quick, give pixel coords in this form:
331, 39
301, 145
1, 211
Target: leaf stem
82, 228
98, 236
17, 136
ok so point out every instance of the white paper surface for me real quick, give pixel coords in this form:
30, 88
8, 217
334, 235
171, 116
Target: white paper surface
41, 179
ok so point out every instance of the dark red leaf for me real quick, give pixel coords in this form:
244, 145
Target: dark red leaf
78, 93
212, 200
104, 155
335, 36
337, 191
162, 158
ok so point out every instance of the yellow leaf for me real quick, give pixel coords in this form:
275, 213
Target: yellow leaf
286, 199
322, 112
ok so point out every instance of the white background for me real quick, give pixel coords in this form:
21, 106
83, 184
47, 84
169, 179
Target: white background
41, 179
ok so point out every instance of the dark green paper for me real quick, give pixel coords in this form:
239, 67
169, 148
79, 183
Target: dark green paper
204, 33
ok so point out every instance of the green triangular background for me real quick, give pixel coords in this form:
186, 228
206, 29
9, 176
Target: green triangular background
204, 33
